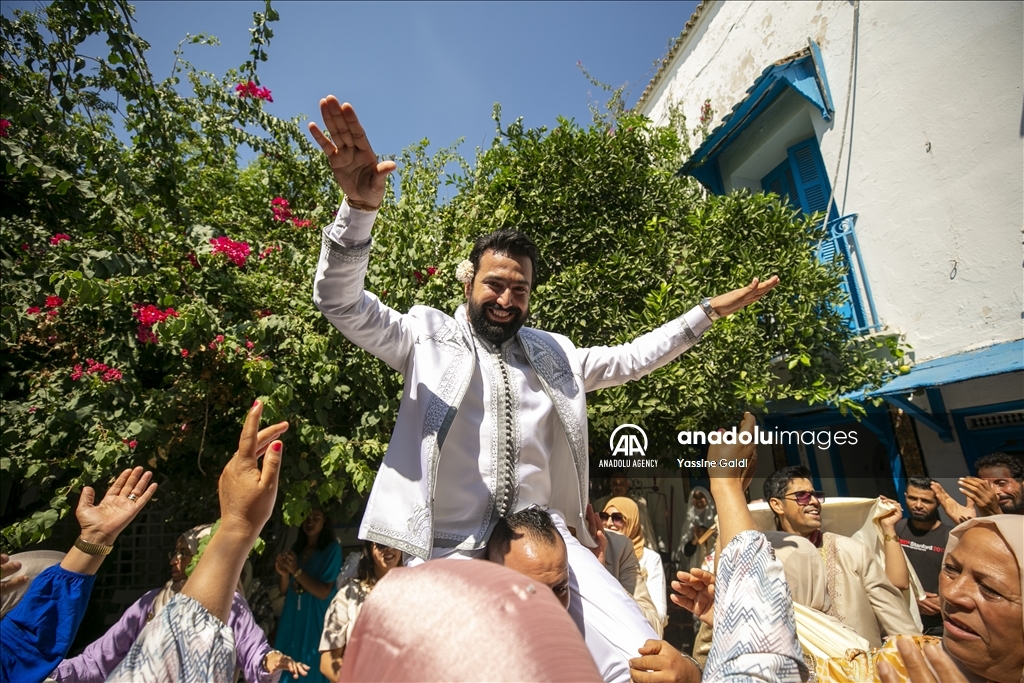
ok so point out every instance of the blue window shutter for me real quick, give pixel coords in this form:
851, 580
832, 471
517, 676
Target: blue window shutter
811, 180
780, 181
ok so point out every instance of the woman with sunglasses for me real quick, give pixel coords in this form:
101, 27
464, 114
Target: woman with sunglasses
622, 515
376, 561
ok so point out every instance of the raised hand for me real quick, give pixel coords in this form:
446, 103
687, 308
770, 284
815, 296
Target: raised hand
694, 591
730, 302
247, 491
123, 501
957, 512
348, 152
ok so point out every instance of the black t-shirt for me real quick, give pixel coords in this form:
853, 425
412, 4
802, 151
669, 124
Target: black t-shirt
925, 551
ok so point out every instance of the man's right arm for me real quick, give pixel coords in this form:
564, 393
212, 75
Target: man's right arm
338, 291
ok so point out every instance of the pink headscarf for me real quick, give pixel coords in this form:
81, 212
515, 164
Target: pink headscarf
465, 621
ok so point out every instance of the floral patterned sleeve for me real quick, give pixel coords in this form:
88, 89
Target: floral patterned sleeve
755, 631
184, 643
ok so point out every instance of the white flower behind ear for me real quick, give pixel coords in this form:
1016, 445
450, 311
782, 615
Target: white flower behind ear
465, 271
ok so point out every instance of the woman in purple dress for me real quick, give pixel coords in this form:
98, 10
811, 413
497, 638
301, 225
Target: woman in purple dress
254, 657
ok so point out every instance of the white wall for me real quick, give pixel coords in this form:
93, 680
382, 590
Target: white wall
945, 74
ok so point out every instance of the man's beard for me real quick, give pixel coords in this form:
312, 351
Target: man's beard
494, 332
925, 517
1014, 506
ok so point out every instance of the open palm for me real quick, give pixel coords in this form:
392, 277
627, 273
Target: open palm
350, 155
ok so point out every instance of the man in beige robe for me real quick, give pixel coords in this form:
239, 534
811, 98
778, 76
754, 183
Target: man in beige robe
860, 594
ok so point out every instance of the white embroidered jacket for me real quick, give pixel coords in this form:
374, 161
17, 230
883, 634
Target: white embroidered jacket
435, 353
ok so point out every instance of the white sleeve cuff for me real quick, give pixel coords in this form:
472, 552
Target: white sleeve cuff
351, 227
698, 320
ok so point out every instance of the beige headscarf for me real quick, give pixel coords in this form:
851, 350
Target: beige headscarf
172, 587
631, 512
1010, 527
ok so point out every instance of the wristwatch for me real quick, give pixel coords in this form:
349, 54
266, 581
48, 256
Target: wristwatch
709, 310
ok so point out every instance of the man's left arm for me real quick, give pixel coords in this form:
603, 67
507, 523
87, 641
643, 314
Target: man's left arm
609, 366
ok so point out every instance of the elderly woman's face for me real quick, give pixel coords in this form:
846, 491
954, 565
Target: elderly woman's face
979, 588
699, 500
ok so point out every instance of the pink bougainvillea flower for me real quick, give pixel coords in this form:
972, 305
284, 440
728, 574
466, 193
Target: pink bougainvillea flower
52, 313
5, 126
237, 252
193, 260
431, 270
60, 237
184, 353
24, 246
111, 375
130, 443
248, 344
33, 409
32, 310
54, 301
250, 89
268, 251
146, 335
148, 316
264, 313
419, 276
281, 209
301, 223
76, 373
219, 338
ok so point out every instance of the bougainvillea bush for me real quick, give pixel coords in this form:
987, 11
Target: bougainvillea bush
158, 242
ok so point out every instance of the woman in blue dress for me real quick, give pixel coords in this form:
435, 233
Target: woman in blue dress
308, 574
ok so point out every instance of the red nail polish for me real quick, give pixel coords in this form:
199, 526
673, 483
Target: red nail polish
255, 403
277, 447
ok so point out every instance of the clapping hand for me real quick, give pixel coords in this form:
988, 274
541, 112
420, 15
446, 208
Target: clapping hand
278, 661
939, 667
659, 662
7, 567
596, 530
694, 591
957, 512
981, 494
348, 151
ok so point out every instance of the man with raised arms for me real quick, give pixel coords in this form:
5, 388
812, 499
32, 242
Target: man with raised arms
493, 418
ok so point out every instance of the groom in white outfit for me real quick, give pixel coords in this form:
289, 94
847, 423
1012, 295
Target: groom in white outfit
493, 417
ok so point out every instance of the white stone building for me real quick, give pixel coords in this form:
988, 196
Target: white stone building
904, 121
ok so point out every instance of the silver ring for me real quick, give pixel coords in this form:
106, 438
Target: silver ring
132, 497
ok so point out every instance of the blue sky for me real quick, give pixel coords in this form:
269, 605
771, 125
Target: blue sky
426, 70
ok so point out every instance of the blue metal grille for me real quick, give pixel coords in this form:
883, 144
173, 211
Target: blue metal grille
841, 244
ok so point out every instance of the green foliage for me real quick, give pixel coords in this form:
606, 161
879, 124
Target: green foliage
161, 337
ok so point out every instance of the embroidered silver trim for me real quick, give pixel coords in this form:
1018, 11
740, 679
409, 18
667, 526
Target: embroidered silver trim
688, 335
554, 372
346, 254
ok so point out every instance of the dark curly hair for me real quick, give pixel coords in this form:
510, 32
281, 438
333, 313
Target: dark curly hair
509, 242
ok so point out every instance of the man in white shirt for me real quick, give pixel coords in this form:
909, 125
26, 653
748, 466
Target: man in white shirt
505, 404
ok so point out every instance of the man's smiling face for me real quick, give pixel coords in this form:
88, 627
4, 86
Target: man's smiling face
499, 295
794, 517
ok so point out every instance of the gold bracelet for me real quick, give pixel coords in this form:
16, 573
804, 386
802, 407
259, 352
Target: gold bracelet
297, 573
361, 206
888, 537
92, 548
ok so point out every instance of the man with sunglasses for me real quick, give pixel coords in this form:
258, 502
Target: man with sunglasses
860, 593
